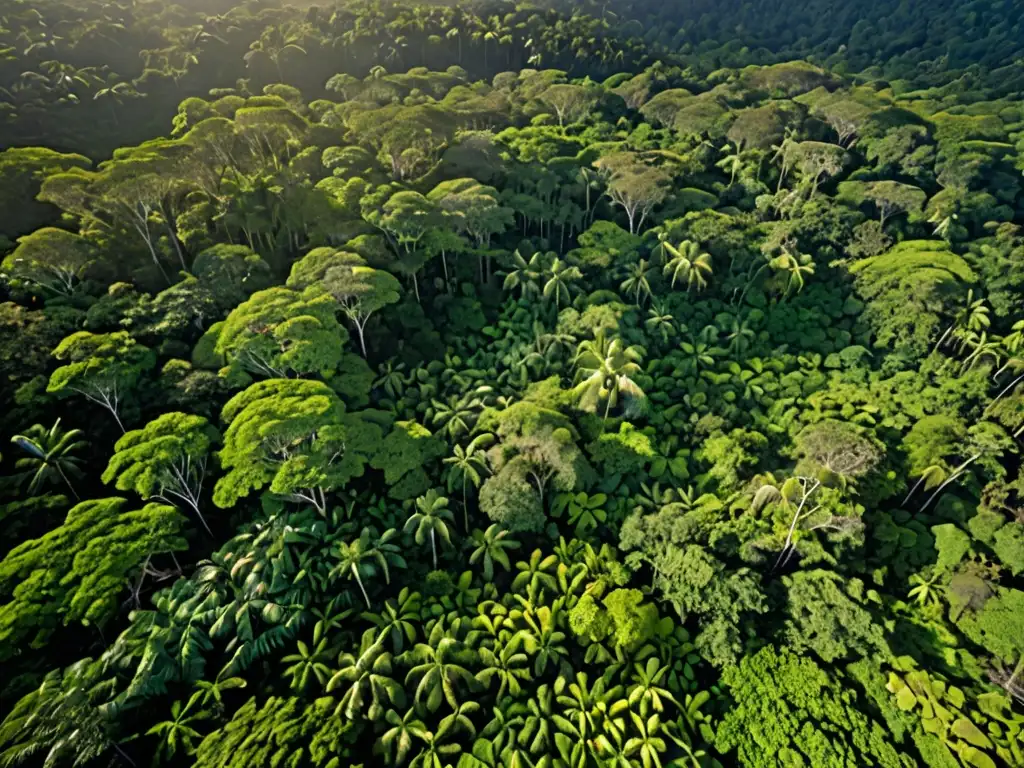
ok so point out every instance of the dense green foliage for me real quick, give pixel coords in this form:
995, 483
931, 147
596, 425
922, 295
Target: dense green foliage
491, 385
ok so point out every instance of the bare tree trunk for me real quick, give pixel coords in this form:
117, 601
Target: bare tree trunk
1012, 384
362, 337
73, 491
1016, 672
147, 237
914, 489
942, 338
170, 227
123, 754
796, 520
359, 581
956, 473
608, 407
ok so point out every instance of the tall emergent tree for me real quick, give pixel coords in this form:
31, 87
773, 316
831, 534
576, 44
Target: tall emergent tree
103, 368
165, 460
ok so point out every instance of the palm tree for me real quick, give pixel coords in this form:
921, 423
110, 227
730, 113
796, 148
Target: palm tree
506, 663
684, 739
393, 379
661, 250
984, 347
329, 617
526, 275
51, 455
795, 266
659, 321
750, 382
739, 335
177, 734
438, 667
456, 417
308, 665
648, 686
926, 591
502, 736
590, 180
688, 263
457, 34
593, 708
459, 720
731, 162
543, 639
557, 344
64, 77
490, 549
757, 267
549, 349
493, 623
561, 279
275, 41
647, 744
784, 153
369, 680
536, 573
431, 519
397, 741
605, 368
398, 620
957, 472
468, 465
1012, 345
115, 94
944, 225
540, 721
1015, 364
214, 689
638, 282
973, 315
490, 29
1013, 342
363, 557
435, 754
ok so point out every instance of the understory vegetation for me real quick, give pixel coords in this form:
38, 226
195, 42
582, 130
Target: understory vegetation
497, 385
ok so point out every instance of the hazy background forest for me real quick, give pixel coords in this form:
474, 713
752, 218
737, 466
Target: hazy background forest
495, 384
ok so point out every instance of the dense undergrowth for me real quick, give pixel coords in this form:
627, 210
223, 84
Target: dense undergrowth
498, 386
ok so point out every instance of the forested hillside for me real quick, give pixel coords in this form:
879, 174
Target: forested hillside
496, 386
88, 76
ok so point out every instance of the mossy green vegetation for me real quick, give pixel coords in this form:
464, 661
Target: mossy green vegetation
512, 386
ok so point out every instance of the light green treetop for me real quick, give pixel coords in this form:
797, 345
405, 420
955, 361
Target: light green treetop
294, 437
165, 460
278, 332
77, 572
102, 367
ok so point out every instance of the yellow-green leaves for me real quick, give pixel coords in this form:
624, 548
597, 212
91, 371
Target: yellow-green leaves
78, 571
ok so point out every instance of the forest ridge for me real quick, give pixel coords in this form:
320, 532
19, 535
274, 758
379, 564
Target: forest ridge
512, 386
